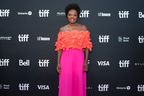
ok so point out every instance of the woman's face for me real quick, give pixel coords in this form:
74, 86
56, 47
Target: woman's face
72, 16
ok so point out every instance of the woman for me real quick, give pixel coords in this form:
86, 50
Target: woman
73, 45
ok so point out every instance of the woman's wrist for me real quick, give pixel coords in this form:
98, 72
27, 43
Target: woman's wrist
85, 62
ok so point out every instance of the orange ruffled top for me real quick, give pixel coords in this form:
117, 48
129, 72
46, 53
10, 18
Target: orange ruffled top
73, 39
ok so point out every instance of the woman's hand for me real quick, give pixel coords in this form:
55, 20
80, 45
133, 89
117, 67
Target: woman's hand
58, 68
85, 67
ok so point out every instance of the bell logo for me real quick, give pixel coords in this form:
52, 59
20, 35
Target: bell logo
141, 15
24, 63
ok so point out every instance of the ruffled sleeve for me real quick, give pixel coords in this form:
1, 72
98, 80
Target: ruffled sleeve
87, 41
58, 43
75, 39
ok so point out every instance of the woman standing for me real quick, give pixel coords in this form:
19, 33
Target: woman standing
73, 45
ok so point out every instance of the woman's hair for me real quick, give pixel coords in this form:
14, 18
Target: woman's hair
72, 6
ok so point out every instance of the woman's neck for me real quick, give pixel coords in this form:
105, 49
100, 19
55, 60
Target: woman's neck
72, 24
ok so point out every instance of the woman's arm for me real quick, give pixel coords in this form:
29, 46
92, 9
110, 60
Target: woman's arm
86, 55
86, 60
58, 60
59, 51
59, 56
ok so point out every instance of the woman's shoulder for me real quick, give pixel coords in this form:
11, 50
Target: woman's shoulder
63, 28
84, 27
81, 27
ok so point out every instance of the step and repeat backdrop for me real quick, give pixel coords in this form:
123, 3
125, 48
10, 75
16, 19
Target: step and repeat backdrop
28, 32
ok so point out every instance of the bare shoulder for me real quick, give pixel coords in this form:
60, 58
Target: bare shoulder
63, 28
84, 27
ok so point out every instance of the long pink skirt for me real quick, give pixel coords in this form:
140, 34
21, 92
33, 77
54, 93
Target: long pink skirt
72, 78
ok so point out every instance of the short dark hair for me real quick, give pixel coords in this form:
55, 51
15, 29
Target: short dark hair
72, 6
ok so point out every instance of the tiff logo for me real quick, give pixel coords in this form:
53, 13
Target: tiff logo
103, 63
43, 63
24, 63
103, 38
123, 14
84, 14
124, 63
140, 39
103, 87
44, 13
23, 37
4, 12
4, 62
140, 88
23, 86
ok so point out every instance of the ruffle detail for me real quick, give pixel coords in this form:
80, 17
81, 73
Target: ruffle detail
76, 39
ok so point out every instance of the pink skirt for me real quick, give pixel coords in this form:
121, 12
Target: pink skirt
72, 78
